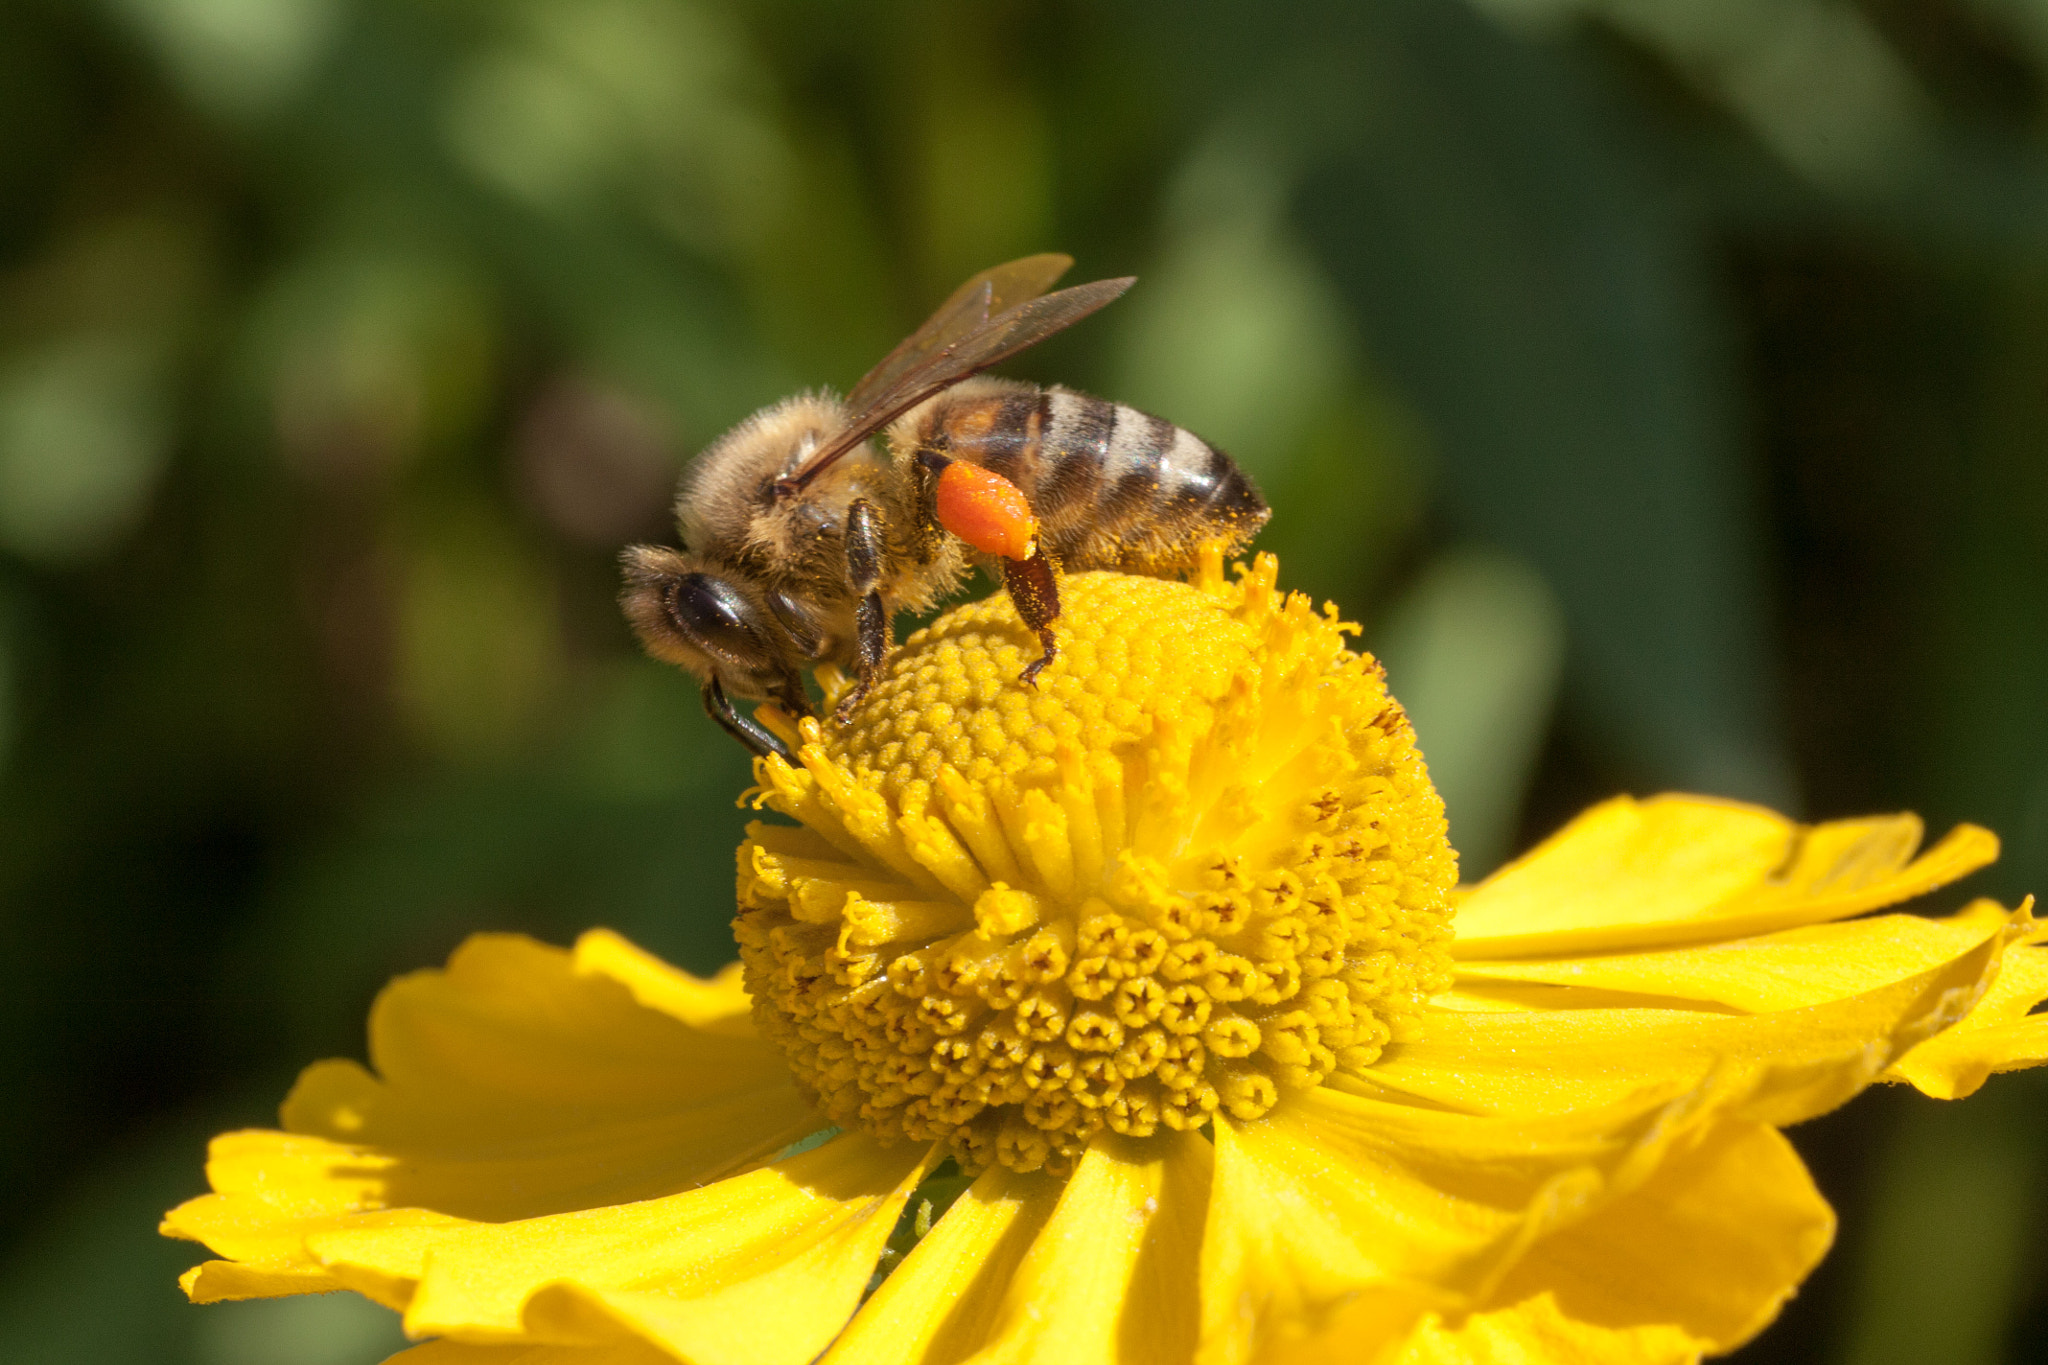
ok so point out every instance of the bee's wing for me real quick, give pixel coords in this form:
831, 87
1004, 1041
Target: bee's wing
995, 290
978, 340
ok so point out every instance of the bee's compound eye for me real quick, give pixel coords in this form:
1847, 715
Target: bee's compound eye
717, 617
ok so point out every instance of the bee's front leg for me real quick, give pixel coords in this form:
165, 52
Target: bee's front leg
759, 740
864, 551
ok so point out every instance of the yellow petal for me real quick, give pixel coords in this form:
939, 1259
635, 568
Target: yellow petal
464, 1353
265, 1184
517, 1083
225, 1281
1714, 1243
1111, 1277
1633, 874
273, 1191
514, 1032
760, 1268
2001, 1034
940, 1305
1335, 1199
518, 1166
1536, 1332
718, 1005
1696, 1258
1791, 969
1792, 1063
520, 1081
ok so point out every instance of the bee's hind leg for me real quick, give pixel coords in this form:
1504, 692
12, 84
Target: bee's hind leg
864, 550
992, 514
1035, 591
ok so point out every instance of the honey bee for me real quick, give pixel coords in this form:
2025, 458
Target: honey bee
802, 541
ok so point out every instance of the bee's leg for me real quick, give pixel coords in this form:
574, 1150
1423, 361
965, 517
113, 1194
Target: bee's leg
864, 550
992, 514
928, 535
1036, 594
745, 729
789, 695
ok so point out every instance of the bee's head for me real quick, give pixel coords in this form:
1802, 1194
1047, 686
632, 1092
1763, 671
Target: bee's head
714, 623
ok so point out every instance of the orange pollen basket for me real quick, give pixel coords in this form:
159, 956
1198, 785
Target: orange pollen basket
986, 510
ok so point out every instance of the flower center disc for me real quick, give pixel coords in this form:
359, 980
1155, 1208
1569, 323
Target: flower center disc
1199, 867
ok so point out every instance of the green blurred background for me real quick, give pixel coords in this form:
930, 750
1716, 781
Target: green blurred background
1663, 382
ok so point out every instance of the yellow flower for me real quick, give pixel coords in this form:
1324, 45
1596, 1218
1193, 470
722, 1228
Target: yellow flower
1159, 959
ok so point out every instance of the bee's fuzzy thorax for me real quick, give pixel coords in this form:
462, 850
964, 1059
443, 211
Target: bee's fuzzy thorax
721, 492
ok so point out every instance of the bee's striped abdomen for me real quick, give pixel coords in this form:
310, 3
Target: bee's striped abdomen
1158, 490
1112, 487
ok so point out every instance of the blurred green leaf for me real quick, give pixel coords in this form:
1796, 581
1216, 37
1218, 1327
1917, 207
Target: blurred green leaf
1987, 743
656, 100
1239, 336
478, 642
369, 349
629, 822
93, 1284
12, 628
977, 141
89, 340
97, 1286
237, 57
1958, 1195
324, 1329
83, 437
1522, 273
1817, 80
1473, 650
1234, 331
